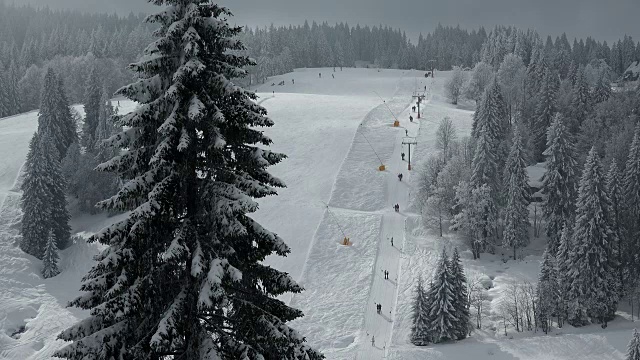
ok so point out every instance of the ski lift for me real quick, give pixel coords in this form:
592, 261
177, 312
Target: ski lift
346, 241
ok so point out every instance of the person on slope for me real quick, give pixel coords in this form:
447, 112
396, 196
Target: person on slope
373, 340
406, 132
402, 156
320, 75
413, 108
400, 176
410, 118
392, 241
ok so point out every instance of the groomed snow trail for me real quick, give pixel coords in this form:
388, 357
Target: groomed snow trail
379, 327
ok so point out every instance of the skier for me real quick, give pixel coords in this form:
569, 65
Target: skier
402, 156
413, 108
400, 176
333, 76
373, 340
293, 81
320, 75
410, 118
406, 132
392, 241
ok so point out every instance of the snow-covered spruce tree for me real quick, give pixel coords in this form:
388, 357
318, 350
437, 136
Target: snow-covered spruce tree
421, 307
619, 250
460, 295
442, 312
50, 260
631, 193
602, 91
70, 167
559, 181
4, 96
547, 292
55, 117
91, 109
56, 186
490, 119
43, 199
544, 114
13, 98
592, 291
516, 231
35, 201
581, 100
563, 265
105, 128
633, 349
183, 274
572, 73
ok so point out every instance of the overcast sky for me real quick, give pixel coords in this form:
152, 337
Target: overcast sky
603, 20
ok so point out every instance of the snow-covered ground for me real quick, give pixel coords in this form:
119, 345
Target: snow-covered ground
331, 128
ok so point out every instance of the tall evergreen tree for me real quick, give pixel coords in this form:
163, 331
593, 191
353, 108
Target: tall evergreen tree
91, 109
35, 201
421, 307
592, 290
631, 193
633, 349
188, 244
491, 127
547, 292
516, 232
460, 295
619, 250
442, 314
581, 100
602, 91
50, 260
105, 127
563, 265
56, 184
559, 181
43, 200
55, 117
12, 91
4, 111
545, 112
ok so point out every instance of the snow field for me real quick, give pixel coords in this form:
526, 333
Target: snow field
315, 132
336, 281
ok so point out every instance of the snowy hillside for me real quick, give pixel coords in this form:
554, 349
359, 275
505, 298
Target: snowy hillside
327, 126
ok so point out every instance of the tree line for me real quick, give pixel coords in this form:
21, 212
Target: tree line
546, 108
